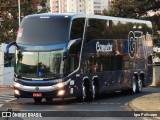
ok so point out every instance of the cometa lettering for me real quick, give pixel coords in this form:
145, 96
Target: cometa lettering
103, 48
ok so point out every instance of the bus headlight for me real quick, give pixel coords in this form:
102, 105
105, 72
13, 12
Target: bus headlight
17, 85
62, 84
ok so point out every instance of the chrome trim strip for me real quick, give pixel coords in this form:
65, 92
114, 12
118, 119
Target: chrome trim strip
41, 88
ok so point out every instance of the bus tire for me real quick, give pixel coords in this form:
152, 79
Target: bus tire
83, 95
133, 88
37, 100
92, 92
139, 86
96, 90
49, 100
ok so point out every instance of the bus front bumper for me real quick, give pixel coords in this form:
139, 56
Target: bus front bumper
30, 94
60, 90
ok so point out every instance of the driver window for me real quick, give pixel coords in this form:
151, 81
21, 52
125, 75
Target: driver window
77, 31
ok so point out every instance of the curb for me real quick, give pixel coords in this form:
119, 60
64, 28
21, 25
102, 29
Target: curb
6, 88
132, 107
154, 86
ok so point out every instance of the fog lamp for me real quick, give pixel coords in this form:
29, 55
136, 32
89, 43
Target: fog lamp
61, 92
16, 92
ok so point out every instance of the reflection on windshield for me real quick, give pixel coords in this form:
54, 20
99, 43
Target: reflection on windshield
39, 64
38, 31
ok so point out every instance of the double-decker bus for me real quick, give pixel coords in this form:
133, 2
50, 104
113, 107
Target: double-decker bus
78, 55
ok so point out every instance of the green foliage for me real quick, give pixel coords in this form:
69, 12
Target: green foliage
9, 16
138, 9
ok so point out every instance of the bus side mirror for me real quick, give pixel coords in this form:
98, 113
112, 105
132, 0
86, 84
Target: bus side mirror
8, 46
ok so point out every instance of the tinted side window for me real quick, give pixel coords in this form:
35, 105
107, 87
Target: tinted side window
77, 28
96, 28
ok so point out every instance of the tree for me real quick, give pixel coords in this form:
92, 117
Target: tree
138, 9
9, 16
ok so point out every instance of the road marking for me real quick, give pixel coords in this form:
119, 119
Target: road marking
6, 98
111, 103
118, 103
102, 103
95, 103
1, 105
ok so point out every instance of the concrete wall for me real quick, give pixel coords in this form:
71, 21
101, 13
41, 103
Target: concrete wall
1, 67
156, 75
6, 73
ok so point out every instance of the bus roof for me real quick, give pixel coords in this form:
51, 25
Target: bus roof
77, 15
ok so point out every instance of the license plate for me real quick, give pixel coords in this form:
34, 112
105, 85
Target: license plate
37, 94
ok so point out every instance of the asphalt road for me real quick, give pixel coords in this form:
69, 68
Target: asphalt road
113, 104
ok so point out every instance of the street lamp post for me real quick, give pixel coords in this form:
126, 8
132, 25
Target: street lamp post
19, 12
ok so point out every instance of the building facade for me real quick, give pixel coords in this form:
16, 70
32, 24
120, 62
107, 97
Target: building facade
78, 6
100, 5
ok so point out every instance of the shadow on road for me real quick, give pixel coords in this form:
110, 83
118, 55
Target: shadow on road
114, 97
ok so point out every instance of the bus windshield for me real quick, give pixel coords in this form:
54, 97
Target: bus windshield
43, 31
39, 64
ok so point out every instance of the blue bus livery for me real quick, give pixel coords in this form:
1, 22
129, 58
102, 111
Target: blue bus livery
78, 55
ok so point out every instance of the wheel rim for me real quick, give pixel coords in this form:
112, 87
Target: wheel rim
84, 92
93, 91
139, 85
134, 86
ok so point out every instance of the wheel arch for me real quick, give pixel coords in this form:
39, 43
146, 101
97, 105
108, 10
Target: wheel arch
95, 80
86, 81
135, 75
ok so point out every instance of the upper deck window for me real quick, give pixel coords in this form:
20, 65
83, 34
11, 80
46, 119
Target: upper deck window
43, 31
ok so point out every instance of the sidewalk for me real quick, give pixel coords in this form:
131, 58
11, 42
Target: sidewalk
148, 103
